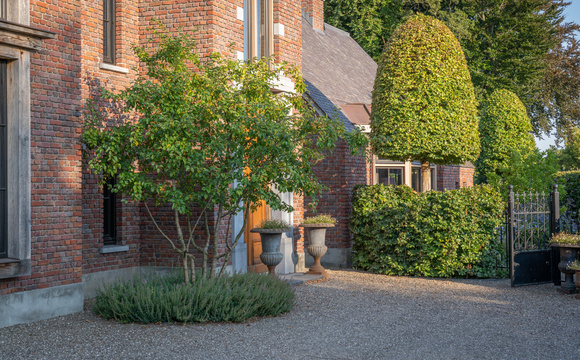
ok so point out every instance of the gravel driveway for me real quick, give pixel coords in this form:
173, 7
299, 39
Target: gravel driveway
353, 315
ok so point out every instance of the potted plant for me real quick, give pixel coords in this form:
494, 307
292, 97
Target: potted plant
575, 266
316, 229
569, 244
271, 236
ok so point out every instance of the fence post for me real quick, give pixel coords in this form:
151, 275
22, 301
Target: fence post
554, 229
511, 231
555, 211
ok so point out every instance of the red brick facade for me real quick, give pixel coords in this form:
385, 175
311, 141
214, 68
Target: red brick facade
66, 202
454, 176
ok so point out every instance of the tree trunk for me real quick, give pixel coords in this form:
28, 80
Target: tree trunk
425, 176
185, 269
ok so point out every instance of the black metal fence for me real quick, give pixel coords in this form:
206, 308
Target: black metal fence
531, 219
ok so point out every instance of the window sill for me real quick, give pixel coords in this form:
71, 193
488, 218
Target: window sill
110, 67
9, 268
108, 249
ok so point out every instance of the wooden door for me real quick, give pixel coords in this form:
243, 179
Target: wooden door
253, 239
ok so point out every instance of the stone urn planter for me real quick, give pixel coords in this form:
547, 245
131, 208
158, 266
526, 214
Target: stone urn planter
575, 266
569, 246
271, 240
316, 230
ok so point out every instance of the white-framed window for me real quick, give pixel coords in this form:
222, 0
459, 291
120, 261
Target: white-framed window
258, 29
408, 173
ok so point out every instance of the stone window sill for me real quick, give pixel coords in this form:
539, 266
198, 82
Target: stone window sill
108, 249
110, 67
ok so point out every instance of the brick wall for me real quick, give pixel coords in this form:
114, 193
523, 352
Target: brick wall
340, 172
454, 176
92, 79
67, 203
315, 10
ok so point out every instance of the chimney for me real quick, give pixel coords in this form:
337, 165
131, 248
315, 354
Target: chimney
313, 11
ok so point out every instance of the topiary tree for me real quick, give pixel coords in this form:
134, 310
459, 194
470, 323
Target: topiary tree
424, 107
504, 128
210, 139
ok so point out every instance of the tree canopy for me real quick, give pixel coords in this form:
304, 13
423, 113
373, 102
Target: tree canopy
504, 127
424, 106
521, 46
209, 136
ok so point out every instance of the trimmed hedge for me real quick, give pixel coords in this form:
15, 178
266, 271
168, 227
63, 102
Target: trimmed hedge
436, 234
569, 189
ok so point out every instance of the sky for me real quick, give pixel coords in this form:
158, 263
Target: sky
572, 13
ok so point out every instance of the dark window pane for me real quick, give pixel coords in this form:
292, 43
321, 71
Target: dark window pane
109, 31
263, 28
390, 176
3, 161
416, 179
109, 214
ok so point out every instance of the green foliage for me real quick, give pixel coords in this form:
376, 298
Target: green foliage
527, 172
320, 219
503, 128
569, 189
565, 238
423, 102
523, 46
569, 157
274, 224
211, 134
437, 234
153, 299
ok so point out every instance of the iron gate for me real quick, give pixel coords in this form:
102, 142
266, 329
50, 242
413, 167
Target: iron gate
531, 220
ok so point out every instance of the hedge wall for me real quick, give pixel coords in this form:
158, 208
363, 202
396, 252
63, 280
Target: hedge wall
569, 189
437, 234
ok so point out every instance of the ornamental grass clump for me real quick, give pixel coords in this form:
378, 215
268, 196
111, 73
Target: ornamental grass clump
320, 219
168, 299
566, 238
274, 224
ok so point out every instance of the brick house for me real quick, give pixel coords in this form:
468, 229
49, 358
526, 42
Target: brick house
61, 234
340, 77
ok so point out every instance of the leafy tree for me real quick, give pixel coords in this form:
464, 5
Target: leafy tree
424, 107
569, 157
503, 128
521, 46
210, 139
528, 171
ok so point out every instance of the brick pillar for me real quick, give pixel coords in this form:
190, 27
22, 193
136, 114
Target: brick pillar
313, 11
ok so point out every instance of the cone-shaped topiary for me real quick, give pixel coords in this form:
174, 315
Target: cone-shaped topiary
503, 128
424, 107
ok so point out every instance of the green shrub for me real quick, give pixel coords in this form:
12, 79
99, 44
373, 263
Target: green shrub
274, 224
569, 189
504, 127
424, 107
566, 238
155, 298
437, 234
320, 219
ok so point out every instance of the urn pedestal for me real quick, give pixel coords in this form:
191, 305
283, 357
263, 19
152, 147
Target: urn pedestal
317, 247
271, 240
568, 253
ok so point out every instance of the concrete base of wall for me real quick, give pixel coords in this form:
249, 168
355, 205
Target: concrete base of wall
96, 280
34, 305
332, 258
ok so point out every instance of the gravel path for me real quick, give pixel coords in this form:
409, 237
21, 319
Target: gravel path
353, 315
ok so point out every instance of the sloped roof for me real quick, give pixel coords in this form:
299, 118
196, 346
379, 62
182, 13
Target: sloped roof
337, 71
